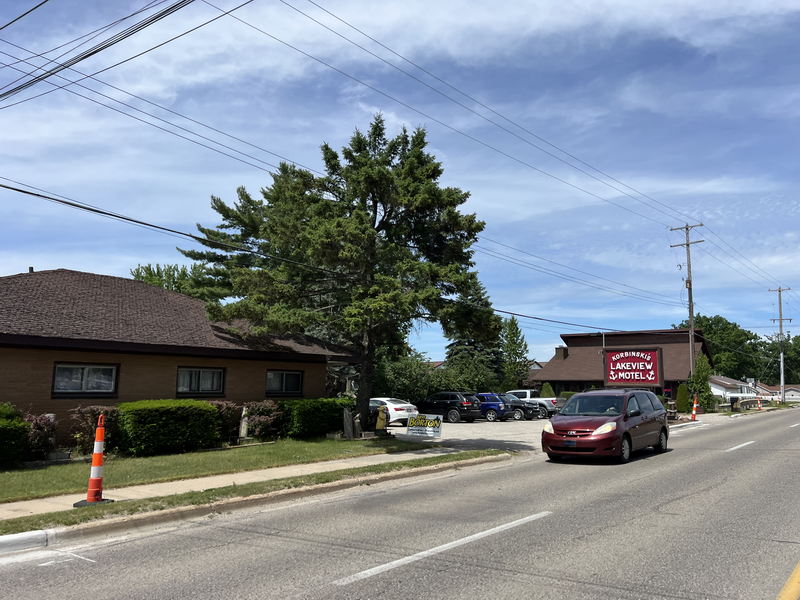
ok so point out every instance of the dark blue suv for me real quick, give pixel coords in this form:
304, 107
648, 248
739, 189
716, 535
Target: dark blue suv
494, 408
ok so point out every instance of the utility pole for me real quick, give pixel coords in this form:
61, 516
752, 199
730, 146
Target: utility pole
780, 321
686, 229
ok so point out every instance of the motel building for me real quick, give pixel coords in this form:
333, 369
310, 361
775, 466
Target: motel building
657, 360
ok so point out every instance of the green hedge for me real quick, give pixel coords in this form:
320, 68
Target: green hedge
567, 395
168, 426
13, 441
682, 401
312, 417
84, 427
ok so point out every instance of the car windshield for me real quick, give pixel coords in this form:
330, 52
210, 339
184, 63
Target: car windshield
593, 405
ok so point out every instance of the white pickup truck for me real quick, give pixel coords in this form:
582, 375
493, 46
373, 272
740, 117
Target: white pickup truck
547, 406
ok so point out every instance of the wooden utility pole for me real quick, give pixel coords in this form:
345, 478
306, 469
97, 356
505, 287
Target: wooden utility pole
686, 229
780, 321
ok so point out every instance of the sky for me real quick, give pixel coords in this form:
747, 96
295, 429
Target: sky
584, 131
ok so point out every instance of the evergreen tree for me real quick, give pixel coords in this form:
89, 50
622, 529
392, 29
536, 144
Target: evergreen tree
355, 256
474, 329
547, 391
194, 281
516, 365
698, 383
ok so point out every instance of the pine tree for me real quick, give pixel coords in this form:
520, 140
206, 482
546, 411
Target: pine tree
516, 365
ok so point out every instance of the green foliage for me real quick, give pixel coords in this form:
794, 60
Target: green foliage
84, 427
264, 419
230, 415
9, 411
791, 359
409, 377
168, 426
698, 383
567, 395
547, 391
466, 373
735, 352
41, 437
475, 331
196, 281
682, 401
389, 243
13, 441
312, 417
514, 349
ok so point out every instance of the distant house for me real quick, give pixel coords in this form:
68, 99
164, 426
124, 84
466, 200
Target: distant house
69, 338
773, 392
657, 359
731, 390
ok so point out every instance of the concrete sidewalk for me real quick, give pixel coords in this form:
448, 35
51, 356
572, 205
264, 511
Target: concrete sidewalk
11, 510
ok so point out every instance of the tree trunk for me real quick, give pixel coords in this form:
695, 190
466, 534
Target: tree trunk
366, 379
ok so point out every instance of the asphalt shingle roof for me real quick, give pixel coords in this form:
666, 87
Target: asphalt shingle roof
85, 307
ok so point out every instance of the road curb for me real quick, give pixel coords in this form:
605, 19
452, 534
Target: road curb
41, 538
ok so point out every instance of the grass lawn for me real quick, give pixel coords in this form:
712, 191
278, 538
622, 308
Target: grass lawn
130, 507
25, 484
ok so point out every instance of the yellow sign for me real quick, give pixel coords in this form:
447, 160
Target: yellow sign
425, 425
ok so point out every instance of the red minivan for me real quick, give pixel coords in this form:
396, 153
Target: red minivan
607, 423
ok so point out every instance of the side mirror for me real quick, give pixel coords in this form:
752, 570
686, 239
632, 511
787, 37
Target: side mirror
634, 413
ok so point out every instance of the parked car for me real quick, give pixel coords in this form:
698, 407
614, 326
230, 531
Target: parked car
522, 409
494, 407
453, 406
546, 406
607, 423
398, 411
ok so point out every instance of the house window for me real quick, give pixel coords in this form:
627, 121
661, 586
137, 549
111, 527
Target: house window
85, 380
200, 381
284, 382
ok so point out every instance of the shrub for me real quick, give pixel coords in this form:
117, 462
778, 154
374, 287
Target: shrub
167, 426
13, 441
84, 426
312, 417
682, 399
264, 420
41, 436
566, 395
547, 391
230, 415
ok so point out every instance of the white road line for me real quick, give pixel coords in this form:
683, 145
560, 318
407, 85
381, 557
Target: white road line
740, 446
795, 425
438, 549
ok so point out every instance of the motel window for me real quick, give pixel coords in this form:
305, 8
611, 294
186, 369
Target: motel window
284, 382
71, 379
200, 381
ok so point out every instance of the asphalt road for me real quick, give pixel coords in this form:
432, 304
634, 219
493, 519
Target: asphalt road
716, 517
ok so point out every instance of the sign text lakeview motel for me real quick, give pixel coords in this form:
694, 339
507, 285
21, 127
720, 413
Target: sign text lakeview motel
633, 368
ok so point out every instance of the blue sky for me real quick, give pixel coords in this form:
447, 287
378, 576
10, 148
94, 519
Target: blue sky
694, 105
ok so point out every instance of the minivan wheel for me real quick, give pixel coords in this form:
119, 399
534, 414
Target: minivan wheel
661, 446
625, 449
453, 416
543, 412
518, 414
491, 415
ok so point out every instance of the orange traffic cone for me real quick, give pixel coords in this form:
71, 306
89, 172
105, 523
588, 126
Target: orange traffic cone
759, 403
95, 493
694, 409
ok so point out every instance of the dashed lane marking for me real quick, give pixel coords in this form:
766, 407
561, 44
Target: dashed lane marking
438, 549
740, 446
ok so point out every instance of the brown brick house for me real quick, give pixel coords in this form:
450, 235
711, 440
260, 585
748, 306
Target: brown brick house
69, 338
580, 363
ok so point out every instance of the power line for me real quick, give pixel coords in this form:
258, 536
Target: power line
114, 39
568, 267
27, 12
503, 117
553, 273
205, 241
164, 43
89, 37
440, 122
